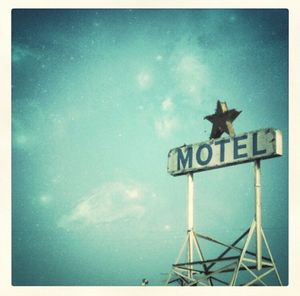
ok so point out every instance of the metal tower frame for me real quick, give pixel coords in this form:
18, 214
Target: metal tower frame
207, 272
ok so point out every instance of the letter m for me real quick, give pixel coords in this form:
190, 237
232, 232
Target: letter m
184, 159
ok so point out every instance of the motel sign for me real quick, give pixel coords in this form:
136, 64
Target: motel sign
191, 268
227, 151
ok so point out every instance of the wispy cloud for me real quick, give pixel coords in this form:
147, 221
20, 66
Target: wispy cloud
167, 122
111, 202
144, 79
167, 104
189, 71
165, 125
192, 76
21, 52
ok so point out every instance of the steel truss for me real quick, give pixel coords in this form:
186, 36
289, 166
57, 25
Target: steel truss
225, 269
210, 272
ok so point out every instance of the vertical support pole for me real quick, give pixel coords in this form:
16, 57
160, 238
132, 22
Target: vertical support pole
190, 201
190, 218
258, 215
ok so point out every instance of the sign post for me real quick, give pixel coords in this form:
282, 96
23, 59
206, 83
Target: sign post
190, 218
258, 215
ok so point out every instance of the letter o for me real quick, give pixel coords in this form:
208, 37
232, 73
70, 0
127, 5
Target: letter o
198, 154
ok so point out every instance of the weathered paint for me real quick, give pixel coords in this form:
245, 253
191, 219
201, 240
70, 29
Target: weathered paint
217, 153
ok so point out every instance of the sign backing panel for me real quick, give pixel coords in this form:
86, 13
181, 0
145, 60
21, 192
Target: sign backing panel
222, 152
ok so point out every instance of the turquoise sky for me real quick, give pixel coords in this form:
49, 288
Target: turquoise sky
99, 97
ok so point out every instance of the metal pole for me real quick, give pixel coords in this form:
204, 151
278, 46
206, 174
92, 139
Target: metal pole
190, 218
258, 215
190, 201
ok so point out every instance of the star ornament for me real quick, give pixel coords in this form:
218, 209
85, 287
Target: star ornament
222, 120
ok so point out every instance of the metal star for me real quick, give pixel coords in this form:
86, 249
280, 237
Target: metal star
222, 120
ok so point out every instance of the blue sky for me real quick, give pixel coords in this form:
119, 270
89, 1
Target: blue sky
99, 97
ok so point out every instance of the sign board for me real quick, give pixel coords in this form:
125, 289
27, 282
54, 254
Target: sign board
222, 152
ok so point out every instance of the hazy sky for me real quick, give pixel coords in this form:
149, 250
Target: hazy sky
99, 98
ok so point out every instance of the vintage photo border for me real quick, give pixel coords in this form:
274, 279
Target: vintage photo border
5, 147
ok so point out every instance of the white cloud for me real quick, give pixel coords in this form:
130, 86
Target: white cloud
189, 71
167, 104
111, 202
144, 79
45, 199
168, 121
165, 125
191, 76
133, 193
167, 227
